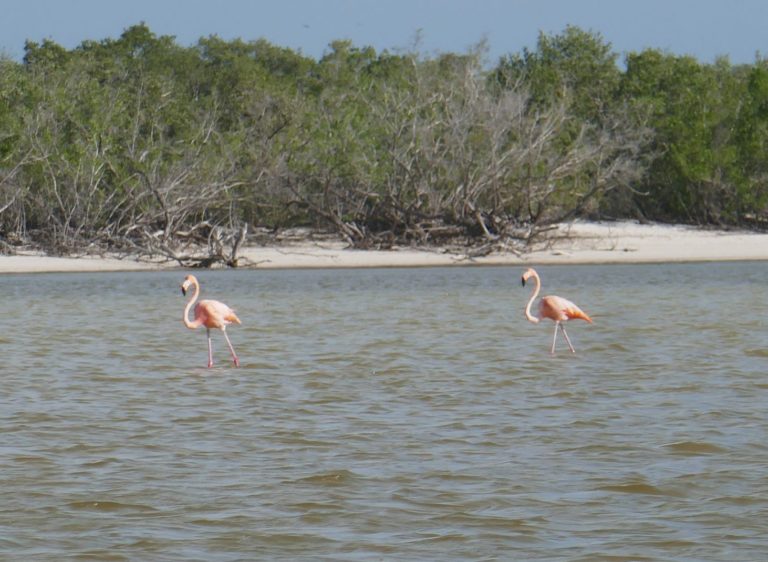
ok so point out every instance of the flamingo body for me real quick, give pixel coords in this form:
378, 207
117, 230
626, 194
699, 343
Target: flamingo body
211, 314
215, 314
557, 309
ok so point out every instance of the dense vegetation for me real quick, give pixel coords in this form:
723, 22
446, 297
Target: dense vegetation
139, 144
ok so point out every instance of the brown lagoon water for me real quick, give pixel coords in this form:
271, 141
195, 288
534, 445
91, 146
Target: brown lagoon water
403, 414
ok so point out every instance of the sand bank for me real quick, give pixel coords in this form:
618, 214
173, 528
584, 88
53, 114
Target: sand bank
576, 243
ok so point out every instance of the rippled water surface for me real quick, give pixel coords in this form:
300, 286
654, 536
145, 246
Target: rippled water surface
403, 414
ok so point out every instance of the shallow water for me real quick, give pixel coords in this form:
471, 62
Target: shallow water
404, 414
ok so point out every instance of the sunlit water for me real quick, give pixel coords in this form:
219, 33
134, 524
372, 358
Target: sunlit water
387, 415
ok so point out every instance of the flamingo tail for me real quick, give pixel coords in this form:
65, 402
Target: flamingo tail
576, 312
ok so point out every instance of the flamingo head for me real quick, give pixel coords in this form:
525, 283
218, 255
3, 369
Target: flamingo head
188, 281
528, 274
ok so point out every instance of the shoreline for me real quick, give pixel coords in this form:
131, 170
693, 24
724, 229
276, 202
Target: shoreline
622, 242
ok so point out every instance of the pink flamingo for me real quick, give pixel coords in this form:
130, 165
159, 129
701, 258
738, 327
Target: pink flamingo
211, 314
555, 308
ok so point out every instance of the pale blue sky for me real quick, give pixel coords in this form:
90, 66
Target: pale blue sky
702, 28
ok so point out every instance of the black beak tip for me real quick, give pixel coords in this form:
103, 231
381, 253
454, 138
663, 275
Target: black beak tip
523, 280
183, 291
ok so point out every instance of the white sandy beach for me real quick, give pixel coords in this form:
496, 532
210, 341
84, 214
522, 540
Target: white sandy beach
576, 243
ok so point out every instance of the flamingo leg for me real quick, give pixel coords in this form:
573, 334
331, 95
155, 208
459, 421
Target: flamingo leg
210, 348
568, 341
235, 360
554, 338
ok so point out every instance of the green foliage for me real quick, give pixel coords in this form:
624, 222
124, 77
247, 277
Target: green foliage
139, 141
692, 109
575, 65
751, 139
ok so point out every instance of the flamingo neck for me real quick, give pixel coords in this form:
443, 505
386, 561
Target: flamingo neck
195, 323
528, 315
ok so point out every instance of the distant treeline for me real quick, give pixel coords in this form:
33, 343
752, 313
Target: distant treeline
138, 143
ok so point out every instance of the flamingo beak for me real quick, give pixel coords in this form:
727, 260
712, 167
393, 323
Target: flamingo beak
523, 279
184, 290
